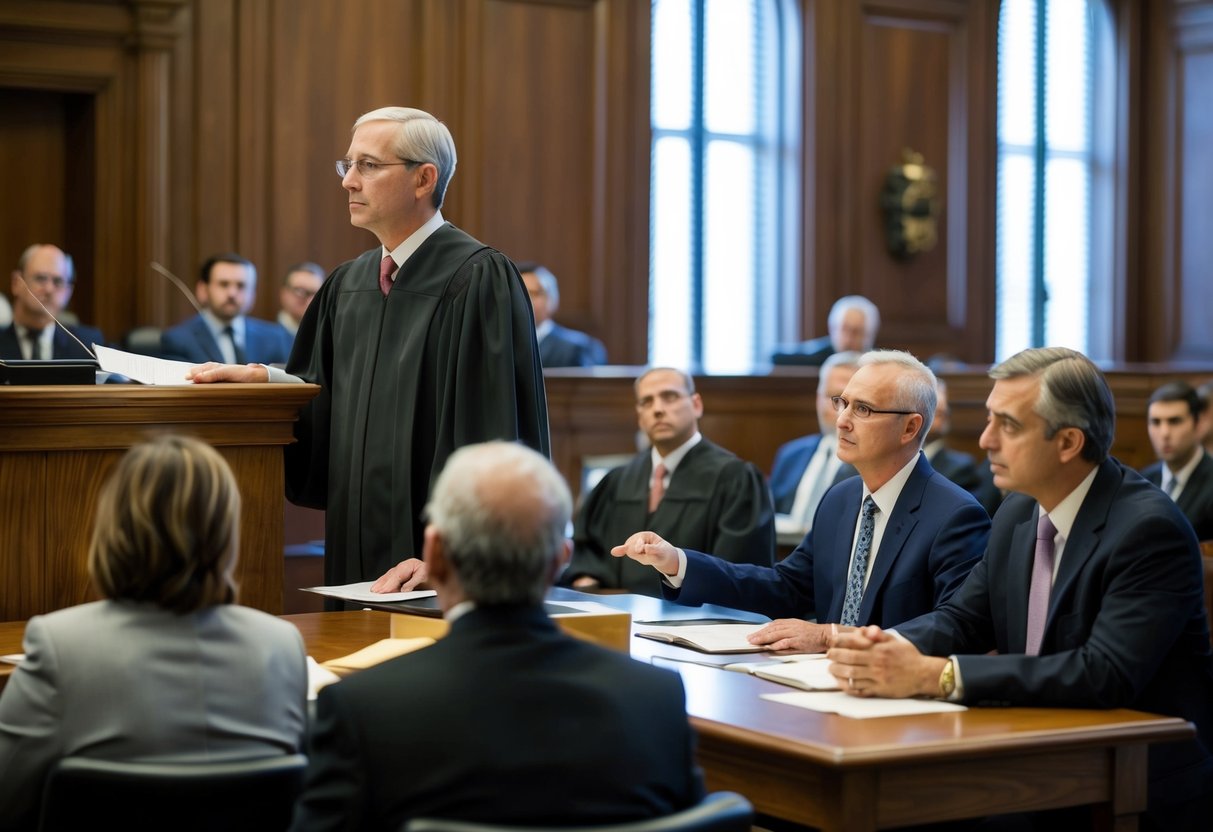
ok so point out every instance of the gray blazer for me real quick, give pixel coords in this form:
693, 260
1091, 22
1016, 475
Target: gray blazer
120, 680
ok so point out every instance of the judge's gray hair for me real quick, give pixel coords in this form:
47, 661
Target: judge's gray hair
916, 387
846, 358
502, 511
420, 138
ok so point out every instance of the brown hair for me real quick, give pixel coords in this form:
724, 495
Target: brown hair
167, 527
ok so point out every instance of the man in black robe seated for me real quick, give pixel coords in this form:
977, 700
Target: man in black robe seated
506, 719
684, 487
421, 345
42, 286
853, 323
559, 346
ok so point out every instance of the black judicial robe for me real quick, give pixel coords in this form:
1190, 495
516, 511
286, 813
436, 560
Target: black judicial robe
715, 503
447, 359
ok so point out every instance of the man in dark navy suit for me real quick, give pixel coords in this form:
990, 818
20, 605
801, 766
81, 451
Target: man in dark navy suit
221, 331
1184, 470
558, 346
885, 546
42, 285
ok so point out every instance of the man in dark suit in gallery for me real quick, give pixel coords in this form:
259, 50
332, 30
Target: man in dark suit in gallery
221, 331
959, 467
558, 346
853, 323
1089, 596
806, 467
885, 546
506, 719
684, 486
42, 286
1184, 470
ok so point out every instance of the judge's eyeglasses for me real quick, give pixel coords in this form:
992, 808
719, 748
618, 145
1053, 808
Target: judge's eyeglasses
368, 167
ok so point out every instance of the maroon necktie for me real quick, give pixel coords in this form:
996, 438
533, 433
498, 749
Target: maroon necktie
1042, 585
657, 490
386, 266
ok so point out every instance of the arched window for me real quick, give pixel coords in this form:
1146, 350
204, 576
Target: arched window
725, 181
1055, 179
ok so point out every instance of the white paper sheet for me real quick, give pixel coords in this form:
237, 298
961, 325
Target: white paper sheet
859, 708
362, 592
142, 368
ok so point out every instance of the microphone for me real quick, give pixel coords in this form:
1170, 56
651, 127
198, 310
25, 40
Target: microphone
176, 281
56, 320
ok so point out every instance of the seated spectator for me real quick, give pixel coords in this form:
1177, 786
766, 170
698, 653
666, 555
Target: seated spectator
958, 466
1205, 391
684, 487
221, 331
302, 282
506, 719
1184, 470
853, 323
167, 667
558, 345
42, 286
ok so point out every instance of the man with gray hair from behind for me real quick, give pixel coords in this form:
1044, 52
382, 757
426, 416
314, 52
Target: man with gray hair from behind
520, 723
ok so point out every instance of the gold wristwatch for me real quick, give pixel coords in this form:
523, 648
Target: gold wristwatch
947, 680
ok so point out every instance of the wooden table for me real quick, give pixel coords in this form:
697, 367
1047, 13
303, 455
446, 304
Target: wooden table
844, 774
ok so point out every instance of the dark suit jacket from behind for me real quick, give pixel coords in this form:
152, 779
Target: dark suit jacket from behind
1126, 624
563, 347
963, 470
62, 344
1196, 500
791, 461
265, 342
934, 536
505, 720
715, 502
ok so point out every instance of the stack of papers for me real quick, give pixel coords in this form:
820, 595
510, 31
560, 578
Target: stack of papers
377, 653
807, 671
706, 638
362, 592
857, 707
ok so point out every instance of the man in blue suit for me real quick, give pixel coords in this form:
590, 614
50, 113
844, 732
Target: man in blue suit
42, 286
221, 331
1090, 595
558, 346
886, 546
806, 467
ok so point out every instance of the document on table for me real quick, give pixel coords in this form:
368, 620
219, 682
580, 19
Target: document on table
859, 708
807, 672
362, 592
142, 368
13, 658
707, 638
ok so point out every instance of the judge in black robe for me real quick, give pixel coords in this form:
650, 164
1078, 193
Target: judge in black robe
447, 359
715, 501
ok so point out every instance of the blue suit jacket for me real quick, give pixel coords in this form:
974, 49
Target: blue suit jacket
191, 340
934, 536
563, 347
791, 461
62, 345
1126, 625
1196, 500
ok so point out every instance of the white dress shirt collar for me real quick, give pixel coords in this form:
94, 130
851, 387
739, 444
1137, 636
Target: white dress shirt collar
402, 253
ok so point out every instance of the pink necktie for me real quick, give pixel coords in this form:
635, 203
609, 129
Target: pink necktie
386, 266
657, 490
1042, 585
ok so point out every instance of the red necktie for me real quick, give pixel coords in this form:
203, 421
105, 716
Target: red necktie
1041, 586
386, 266
657, 489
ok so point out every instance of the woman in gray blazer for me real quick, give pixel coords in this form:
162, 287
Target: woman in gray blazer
168, 667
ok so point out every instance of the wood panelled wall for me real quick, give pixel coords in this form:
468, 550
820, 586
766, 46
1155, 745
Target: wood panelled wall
168, 130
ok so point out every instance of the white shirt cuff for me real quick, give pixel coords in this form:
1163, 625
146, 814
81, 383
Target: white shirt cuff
678, 577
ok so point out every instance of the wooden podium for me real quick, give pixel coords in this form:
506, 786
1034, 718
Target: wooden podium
58, 444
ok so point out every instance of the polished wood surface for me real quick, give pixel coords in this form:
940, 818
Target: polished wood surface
844, 774
58, 445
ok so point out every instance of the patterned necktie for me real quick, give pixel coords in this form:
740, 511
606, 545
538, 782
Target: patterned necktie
1172, 487
230, 332
1042, 585
657, 489
386, 266
859, 565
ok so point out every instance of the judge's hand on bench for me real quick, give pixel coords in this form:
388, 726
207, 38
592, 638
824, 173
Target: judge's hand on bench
404, 576
213, 371
649, 548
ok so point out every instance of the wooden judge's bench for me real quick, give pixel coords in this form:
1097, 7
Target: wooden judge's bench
58, 444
